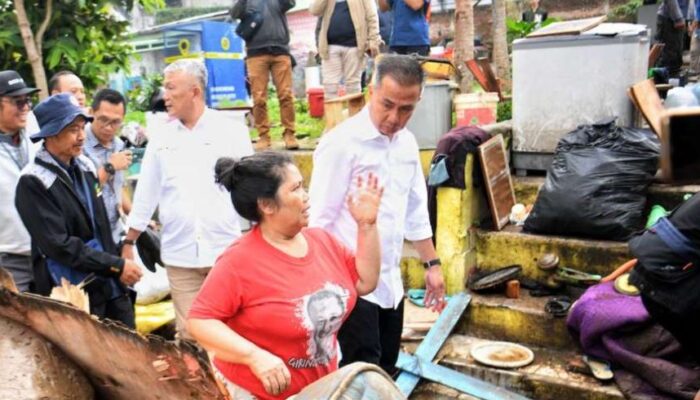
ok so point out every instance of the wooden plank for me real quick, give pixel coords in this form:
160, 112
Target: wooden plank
479, 75
499, 185
646, 98
435, 338
574, 27
655, 53
456, 380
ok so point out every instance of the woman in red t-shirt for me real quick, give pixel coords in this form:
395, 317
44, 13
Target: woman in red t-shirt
271, 307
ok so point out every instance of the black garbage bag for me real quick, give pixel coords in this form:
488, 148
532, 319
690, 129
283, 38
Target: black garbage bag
596, 185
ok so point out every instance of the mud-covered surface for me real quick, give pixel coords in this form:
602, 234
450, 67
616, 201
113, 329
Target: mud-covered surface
32, 368
546, 378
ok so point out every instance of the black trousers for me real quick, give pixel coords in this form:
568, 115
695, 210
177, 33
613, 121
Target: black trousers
372, 334
684, 328
120, 309
672, 53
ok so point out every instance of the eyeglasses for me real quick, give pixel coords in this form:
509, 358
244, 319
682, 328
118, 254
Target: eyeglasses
110, 123
19, 102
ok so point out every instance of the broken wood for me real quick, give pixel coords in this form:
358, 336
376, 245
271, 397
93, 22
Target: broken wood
499, 184
574, 27
456, 380
429, 347
119, 362
646, 98
655, 53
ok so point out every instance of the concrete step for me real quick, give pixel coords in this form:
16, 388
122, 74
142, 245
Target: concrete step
496, 249
669, 196
523, 320
545, 379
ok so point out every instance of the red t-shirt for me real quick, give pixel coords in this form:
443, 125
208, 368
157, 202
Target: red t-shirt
289, 306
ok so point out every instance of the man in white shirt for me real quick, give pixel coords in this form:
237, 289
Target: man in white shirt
375, 140
177, 176
16, 151
68, 82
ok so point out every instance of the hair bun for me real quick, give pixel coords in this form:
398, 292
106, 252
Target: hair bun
223, 172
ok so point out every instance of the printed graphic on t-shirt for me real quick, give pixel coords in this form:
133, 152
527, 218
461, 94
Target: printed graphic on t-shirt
321, 314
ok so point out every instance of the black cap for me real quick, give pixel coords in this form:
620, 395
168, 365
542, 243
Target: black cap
11, 84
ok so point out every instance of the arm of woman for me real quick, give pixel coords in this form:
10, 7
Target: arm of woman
229, 346
364, 206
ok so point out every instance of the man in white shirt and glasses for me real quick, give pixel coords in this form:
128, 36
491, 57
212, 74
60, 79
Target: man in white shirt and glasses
16, 151
177, 176
375, 140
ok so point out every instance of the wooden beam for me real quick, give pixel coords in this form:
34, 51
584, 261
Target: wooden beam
435, 338
456, 380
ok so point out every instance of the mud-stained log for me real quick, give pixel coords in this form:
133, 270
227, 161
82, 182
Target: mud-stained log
33, 368
121, 364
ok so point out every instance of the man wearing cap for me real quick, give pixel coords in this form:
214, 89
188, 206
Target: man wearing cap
15, 152
57, 200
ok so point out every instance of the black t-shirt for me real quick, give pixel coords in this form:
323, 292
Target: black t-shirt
341, 31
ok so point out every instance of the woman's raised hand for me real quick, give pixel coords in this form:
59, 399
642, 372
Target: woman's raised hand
364, 202
271, 371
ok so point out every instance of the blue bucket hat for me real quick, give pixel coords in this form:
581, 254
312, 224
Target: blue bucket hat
55, 113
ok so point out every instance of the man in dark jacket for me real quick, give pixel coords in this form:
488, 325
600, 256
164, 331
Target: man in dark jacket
668, 272
57, 201
268, 52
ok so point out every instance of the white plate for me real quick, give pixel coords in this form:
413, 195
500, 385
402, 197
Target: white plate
502, 354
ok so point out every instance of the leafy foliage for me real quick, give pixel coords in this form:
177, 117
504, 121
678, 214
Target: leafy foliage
86, 37
139, 97
625, 12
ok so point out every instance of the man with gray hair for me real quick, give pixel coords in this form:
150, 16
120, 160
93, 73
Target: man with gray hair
375, 140
177, 176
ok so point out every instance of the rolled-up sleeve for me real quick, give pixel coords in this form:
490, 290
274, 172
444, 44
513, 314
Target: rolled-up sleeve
417, 218
147, 190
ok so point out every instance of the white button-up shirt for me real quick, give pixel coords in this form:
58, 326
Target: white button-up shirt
177, 176
354, 149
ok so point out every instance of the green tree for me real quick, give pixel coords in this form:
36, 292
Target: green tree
86, 37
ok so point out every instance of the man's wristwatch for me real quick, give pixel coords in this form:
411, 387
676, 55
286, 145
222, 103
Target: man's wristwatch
109, 168
128, 242
431, 263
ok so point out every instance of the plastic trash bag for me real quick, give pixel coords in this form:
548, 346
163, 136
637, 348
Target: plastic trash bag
680, 97
696, 91
153, 286
152, 316
596, 185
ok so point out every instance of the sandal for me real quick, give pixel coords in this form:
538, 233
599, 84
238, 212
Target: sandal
558, 306
599, 368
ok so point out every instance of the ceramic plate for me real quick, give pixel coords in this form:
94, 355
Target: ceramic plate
502, 354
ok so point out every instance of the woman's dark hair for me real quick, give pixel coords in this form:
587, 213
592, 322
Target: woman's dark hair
250, 179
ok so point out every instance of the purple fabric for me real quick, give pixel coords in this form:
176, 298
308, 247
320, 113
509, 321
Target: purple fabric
648, 361
602, 310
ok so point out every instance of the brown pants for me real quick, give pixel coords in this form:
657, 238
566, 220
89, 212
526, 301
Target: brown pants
259, 68
184, 286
